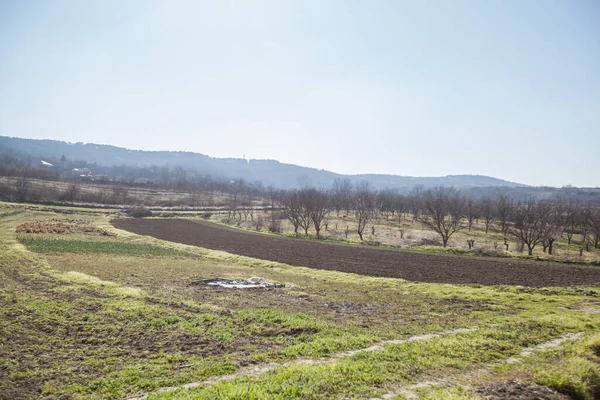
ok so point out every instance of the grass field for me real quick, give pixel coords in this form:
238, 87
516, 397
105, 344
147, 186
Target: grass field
116, 194
89, 316
94, 246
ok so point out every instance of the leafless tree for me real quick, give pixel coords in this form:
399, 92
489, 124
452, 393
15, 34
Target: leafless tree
400, 206
487, 212
554, 227
304, 215
292, 208
416, 202
503, 207
341, 195
472, 212
534, 222
274, 196
573, 219
72, 192
364, 206
593, 223
443, 211
319, 207
386, 203
259, 223
22, 186
312, 207
585, 224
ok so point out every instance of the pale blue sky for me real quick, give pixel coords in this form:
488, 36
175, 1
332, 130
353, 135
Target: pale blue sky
503, 88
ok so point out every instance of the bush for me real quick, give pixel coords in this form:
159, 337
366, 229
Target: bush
430, 242
275, 225
138, 212
259, 223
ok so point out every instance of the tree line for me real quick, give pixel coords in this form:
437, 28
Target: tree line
530, 223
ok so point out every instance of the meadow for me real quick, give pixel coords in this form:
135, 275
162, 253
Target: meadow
88, 315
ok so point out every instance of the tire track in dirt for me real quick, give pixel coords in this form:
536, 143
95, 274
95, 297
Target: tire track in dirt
407, 391
378, 262
410, 392
262, 369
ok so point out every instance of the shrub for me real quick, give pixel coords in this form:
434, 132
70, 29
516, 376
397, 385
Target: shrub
259, 223
138, 212
275, 225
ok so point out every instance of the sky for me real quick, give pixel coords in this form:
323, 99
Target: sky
509, 89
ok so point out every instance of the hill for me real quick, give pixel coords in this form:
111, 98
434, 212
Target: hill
269, 172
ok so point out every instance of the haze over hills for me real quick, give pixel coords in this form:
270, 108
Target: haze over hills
269, 172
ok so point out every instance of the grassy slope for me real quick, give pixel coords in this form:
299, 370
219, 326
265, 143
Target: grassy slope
108, 325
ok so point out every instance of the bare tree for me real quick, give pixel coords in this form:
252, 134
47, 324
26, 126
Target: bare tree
341, 195
472, 212
364, 206
292, 208
416, 202
274, 196
235, 197
533, 224
72, 192
504, 207
385, 203
443, 211
319, 205
594, 225
487, 212
554, 226
310, 200
573, 220
400, 206
585, 214
22, 186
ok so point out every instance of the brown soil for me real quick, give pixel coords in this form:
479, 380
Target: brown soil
521, 391
410, 265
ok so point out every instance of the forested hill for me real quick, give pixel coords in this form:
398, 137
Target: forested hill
269, 172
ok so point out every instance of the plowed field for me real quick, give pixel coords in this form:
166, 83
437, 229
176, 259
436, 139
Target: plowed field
379, 262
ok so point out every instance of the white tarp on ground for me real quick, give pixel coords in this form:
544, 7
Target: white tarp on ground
254, 282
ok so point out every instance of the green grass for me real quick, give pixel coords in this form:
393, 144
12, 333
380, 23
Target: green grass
374, 373
78, 325
81, 246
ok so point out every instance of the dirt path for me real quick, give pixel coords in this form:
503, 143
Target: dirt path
379, 262
408, 392
257, 370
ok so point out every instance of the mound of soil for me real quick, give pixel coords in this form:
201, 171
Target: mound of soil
511, 390
394, 263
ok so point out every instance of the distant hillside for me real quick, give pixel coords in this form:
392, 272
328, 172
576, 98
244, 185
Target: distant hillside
269, 172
